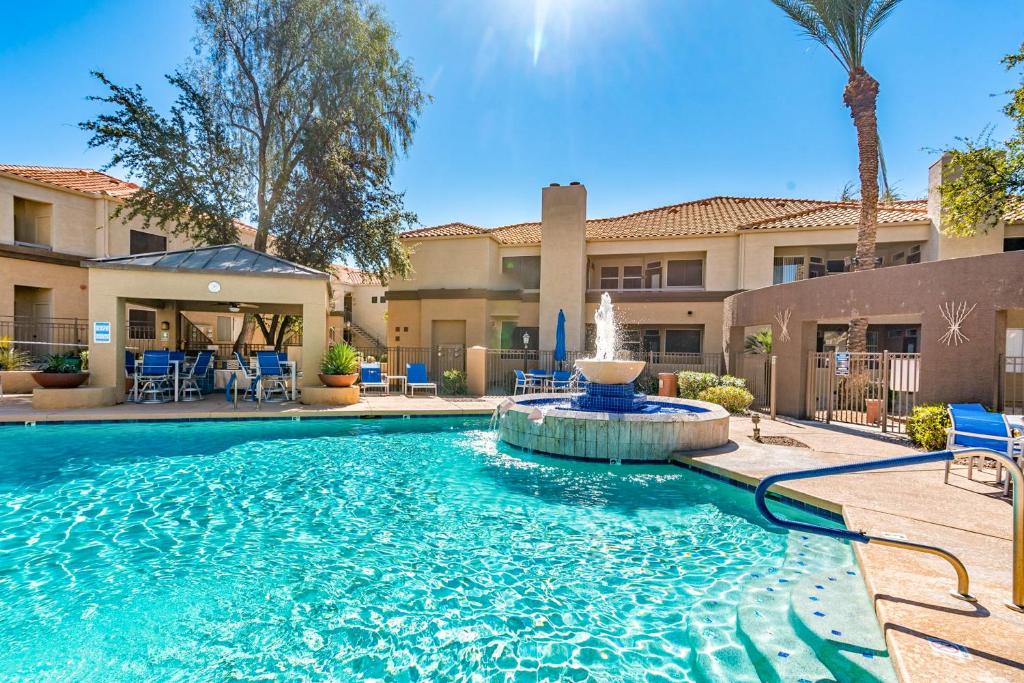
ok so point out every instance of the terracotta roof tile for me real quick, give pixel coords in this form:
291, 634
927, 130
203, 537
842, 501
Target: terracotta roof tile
1015, 211
712, 216
351, 276
78, 179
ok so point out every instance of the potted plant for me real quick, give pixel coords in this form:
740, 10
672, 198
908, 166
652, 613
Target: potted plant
340, 366
61, 372
873, 403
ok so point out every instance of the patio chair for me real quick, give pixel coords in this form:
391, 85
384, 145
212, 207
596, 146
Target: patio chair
560, 380
190, 389
252, 379
974, 427
372, 377
525, 383
155, 379
129, 374
416, 378
272, 377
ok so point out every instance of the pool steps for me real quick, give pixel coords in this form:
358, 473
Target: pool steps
774, 633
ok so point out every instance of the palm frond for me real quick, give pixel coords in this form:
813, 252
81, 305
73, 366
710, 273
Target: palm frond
841, 26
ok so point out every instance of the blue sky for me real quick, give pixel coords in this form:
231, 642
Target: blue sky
647, 102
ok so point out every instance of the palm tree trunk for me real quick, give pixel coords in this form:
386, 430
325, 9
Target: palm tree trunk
861, 96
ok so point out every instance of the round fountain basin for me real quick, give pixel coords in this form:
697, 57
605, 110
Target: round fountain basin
548, 423
610, 371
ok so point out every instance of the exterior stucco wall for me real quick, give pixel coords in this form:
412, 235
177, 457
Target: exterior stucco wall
69, 284
668, 314
968, 372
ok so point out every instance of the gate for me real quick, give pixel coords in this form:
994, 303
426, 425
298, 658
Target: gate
1011, 385
757, 371
869, 389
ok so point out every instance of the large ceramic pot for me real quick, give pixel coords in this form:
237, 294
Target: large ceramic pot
338, 380
60, 380
610, 371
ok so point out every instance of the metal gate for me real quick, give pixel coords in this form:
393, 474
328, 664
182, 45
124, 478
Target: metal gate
870, 389
1011, 384
757, 370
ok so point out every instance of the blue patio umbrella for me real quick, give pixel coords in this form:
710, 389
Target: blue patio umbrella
559, 355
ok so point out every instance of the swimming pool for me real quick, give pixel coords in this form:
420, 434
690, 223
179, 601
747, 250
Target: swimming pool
394, 549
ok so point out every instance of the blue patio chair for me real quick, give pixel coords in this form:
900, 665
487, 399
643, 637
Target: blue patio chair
272, 376
371, 377
561, 380
282, 356
190, 390
416, 378
976, 428
155, 380
129, 373
525, 383
252, 378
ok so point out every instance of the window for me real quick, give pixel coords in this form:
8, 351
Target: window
652, 341
32, 222
652, 275
915, 254
507, 328
609, 277
817, 267
685, 273
145, 243
683, 341
1015, 349
1013, 244
632, 277
141, 324
526, 269
373, 299
835, 265
788, 269
383, 299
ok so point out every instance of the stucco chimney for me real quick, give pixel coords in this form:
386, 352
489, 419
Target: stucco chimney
563, 263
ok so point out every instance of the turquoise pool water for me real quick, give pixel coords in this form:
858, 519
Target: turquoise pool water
416, 549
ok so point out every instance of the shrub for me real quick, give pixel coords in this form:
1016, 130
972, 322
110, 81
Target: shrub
730, 381
63, 363
340, 359
11, 358
927, 426
692, 383
733, 399
454, 382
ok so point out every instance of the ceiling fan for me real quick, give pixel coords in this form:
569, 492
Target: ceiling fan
235, 307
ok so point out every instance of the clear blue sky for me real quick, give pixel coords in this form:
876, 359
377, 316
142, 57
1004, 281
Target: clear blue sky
646, 102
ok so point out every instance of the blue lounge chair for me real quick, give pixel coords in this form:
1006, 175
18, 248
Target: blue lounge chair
561, 380
272, 377
190, 389
525, 383
416, 378
371, 377
155, 380
252, 379
973, 426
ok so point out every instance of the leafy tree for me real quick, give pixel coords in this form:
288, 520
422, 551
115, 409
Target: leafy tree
843, 27
292, 112
986, 177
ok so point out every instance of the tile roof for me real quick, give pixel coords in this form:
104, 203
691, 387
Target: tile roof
711, 216
352, 276
226, 258
77, 179
1015, 211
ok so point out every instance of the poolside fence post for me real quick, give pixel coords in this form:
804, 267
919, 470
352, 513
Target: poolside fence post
830, 379
884, 408
772, 386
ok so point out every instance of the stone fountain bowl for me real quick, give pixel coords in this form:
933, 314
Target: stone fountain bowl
610, 371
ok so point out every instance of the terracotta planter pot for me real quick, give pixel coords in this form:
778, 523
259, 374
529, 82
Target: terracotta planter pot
873, 408
60, 380
338, 380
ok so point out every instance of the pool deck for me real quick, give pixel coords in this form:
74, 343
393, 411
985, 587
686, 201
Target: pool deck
18, 408
910, 590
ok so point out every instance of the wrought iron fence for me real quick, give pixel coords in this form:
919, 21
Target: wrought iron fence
870, 389
41, 337
437, 359
1011, 384
756, 370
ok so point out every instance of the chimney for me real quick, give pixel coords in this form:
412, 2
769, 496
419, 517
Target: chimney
563, 263
936, 174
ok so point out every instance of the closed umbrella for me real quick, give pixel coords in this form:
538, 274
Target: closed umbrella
559, 355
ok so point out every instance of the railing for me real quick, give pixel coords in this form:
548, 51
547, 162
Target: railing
756, 370
963, 582
43, 336
1011, 384
870, 389
437, 359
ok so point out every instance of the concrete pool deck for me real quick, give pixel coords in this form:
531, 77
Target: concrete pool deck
931, 635
910, 590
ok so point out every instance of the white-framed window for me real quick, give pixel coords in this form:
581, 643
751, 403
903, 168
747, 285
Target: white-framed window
652, 275
684, 273
632, 277
1015, 349
609, 277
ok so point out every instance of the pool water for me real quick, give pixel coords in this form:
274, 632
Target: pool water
397, 549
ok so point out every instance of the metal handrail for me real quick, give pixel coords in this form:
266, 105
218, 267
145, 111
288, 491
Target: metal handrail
963, 582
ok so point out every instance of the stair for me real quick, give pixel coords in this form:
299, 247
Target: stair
368, 340
807, 621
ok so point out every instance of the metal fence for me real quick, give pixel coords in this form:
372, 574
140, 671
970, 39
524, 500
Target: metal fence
870, 389
502, 363
41, 337
437, 359
756, 370
1011, 384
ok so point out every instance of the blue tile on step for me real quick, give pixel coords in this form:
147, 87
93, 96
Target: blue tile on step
819, 614
783, 653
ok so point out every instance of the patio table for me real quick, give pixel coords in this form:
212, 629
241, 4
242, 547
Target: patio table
401, 379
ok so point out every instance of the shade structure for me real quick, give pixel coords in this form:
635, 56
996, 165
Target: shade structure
559, 356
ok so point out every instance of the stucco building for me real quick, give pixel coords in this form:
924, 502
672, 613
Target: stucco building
668, 269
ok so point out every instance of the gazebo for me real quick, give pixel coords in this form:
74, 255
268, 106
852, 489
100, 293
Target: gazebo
217, 279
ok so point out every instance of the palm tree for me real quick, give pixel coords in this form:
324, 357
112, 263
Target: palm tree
843, 28
758, 343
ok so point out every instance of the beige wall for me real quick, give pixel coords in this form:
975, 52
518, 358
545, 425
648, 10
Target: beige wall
667, 314
463, 263
70, 296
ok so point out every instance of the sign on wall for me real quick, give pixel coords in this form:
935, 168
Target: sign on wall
100, 332
842, 363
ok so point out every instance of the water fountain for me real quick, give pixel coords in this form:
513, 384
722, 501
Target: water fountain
609, 420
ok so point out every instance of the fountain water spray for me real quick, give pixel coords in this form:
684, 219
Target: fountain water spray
607, 342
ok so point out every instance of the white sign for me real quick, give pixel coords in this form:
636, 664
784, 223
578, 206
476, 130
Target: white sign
100, 333
842, 363
903, 374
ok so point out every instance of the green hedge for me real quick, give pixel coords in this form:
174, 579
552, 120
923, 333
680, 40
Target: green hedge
454, 382
927, 426
691, 384
732, 398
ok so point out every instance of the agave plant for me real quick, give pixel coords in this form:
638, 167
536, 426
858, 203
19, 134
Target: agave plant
11, 358
340, 359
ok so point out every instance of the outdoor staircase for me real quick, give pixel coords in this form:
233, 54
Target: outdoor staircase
805, 622
361, 338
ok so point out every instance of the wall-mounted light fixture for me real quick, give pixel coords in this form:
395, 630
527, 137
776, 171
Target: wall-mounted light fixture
165, 326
